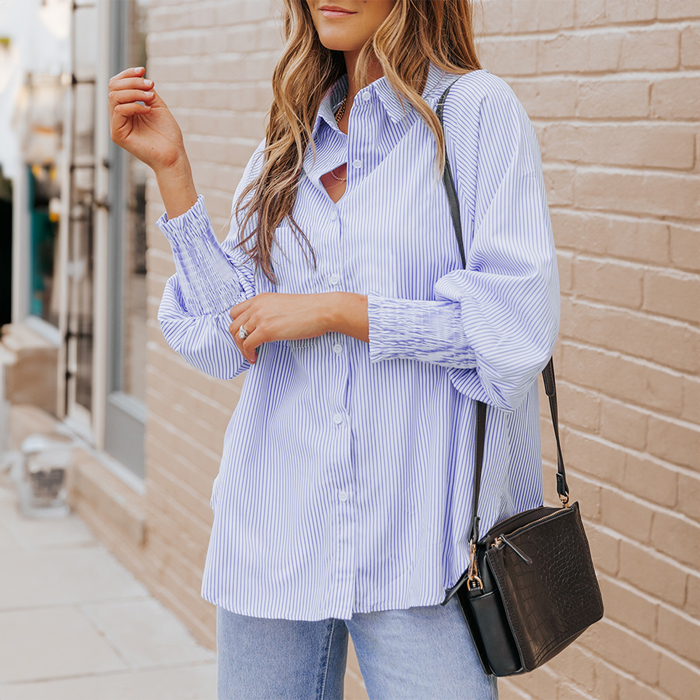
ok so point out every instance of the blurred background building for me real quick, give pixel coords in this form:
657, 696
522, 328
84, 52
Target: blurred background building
613, 90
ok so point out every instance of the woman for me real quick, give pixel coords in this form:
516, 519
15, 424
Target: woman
343, 498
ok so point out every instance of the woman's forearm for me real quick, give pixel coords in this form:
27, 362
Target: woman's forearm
347, 314
177, 187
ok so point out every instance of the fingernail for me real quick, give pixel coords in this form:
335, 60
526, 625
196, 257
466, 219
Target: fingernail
138, 70
148, 94
148, 83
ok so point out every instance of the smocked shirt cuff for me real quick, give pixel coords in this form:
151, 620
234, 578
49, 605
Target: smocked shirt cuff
429, 331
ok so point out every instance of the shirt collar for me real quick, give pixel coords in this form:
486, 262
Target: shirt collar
330, 104
395, 108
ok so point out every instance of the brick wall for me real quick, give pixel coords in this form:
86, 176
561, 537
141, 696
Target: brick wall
211, 61
613, 89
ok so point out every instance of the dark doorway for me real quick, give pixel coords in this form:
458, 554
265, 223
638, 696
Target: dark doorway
5, 250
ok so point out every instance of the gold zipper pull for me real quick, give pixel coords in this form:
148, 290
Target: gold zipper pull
501, 540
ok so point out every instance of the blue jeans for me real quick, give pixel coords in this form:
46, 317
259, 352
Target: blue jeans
421, 653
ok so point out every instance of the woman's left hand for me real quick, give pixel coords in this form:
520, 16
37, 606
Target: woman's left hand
272, 316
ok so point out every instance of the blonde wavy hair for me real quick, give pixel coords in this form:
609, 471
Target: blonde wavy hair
415, 33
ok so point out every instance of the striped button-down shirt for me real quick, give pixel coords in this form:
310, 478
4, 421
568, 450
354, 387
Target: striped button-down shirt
346, 478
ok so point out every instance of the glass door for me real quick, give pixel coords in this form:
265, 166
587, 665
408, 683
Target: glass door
126, 399
76, 238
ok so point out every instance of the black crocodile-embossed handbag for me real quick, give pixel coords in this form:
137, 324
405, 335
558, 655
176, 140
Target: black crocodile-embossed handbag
530, 588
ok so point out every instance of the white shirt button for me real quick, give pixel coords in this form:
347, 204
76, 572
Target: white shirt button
337, 348
334, 217
366, 96
334, 279
337, 418
357, 164
343, 496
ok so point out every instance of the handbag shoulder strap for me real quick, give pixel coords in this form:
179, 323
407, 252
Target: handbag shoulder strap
548, 377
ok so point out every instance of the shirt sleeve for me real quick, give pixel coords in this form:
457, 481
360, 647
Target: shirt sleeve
210, 278
494, 323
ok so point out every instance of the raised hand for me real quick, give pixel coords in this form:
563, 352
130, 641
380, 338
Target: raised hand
142, 124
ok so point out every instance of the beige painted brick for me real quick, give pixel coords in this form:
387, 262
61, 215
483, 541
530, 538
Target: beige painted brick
678, 9
685, 247
632, 689
626, 606
623, 424
571, 692
652, 192
559, 182
623, 238
599, 12
581, 231
675, 441
508, 690
179, 491
689, 495
541, 683
496, 18
690, 46
673, 294
565, 265
547, 98
652, 573
626, 515
607, 681
653, 338
608, 281
651, 480
678, 678
677, 536
509, 56
679, 633
605, 549
579, 53
590, 12
269, 38
624, 649
613, 98
640, 145
576, 664
651, 48
259, 66
624, 378
542, 15
258, 10
676, 98
590, 455
692, 602
578, 407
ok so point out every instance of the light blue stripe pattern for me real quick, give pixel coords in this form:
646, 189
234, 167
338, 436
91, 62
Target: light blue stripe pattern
346, 479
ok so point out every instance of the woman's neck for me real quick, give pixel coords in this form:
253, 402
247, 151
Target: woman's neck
374, 72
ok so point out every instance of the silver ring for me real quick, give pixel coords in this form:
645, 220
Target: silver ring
243, 333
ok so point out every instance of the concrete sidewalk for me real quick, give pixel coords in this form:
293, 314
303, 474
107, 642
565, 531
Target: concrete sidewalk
76, 625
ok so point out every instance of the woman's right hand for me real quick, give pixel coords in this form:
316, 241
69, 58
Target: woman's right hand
148, 131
